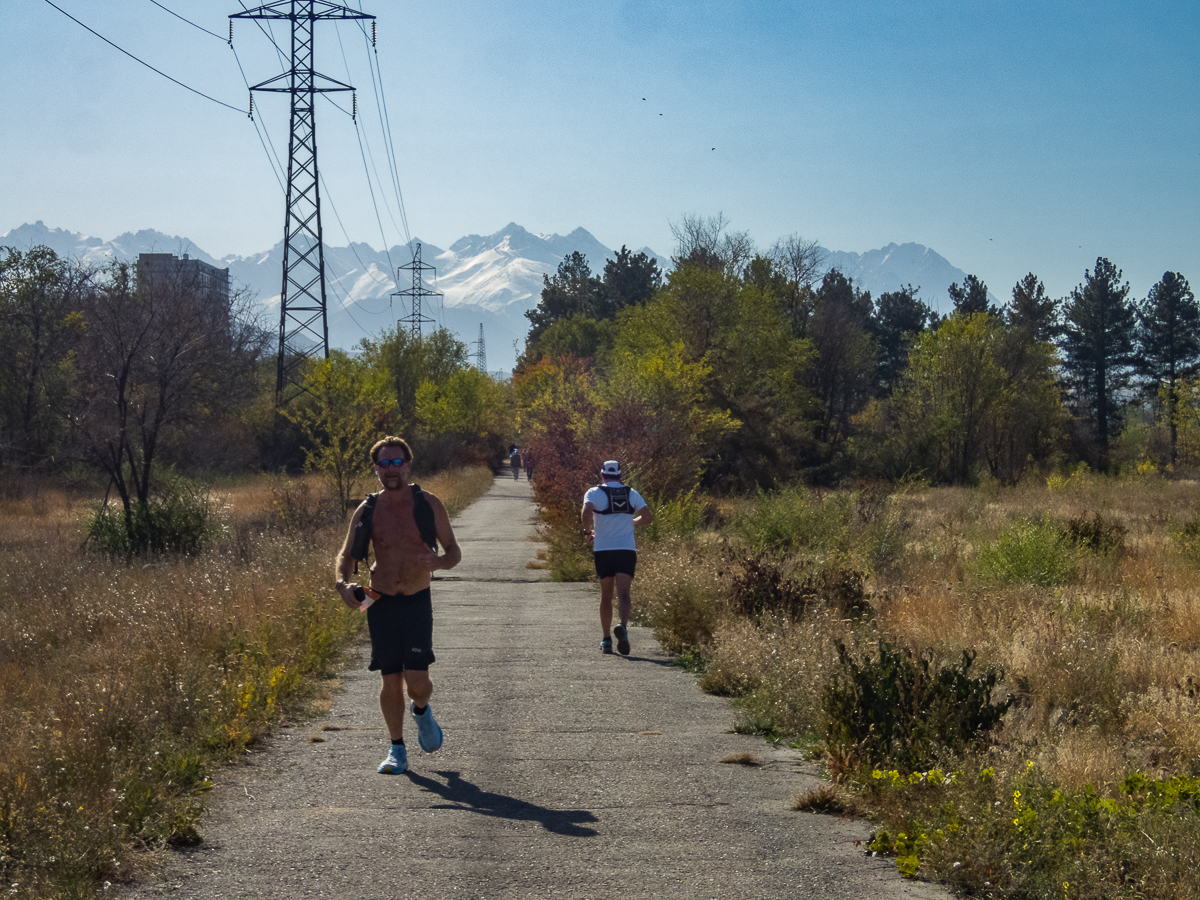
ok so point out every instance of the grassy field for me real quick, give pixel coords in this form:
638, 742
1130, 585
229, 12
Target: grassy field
839, 621
122, 686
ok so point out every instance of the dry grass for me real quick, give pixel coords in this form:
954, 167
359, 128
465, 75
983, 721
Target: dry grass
1104, 664
121, 686
823, 799
745, 758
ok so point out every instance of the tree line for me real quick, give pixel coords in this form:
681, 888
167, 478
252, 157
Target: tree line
130, 372
738, 369
743, 369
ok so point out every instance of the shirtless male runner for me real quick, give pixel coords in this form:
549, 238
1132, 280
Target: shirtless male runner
400, 615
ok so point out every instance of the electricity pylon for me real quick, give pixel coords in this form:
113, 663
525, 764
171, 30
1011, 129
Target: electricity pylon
417, 292
481, 352
303, 322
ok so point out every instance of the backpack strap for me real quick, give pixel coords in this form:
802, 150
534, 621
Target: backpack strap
362, 531
422, 514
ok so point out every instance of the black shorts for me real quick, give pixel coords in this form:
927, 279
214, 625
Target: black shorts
610, 563
401, 632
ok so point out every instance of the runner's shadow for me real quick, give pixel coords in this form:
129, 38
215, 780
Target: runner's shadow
462, 794
665, 663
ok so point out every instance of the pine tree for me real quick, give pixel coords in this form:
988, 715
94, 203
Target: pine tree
1032, 311
1098, 343
897, 322
572, 290
1168, 339
970, 297
629, 278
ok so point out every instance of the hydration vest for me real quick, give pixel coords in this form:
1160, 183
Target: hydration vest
618, 501
422, 514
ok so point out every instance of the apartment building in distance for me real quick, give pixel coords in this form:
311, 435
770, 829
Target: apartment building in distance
167, 269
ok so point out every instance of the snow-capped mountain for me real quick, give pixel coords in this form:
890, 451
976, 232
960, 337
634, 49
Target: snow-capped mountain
484, 280
487, 281
896, 266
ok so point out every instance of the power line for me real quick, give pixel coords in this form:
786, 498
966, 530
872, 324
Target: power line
270, 35
370, 153
264, 136
189, 21
386, 124
143, 62
345, 305
382, 236
349, 242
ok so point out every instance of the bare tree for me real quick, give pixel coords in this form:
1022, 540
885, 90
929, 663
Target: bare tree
801, 263
799, 260
703, 242
161, 354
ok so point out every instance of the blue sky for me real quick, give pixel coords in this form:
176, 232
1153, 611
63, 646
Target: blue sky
1008, 136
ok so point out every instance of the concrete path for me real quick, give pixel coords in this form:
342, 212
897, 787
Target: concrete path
564, 774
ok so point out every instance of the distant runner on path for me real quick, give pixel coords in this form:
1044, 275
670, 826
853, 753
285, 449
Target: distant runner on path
514, 460
619, 509
404, 525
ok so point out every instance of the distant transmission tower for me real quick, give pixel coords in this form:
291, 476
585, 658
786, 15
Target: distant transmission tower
303, 323
481, 352
417, 292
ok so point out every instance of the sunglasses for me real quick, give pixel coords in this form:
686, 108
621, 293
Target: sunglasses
384, 463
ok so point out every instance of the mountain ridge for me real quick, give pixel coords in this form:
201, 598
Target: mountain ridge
480, 280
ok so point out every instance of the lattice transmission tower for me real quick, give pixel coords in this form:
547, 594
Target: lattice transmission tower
303, 322
481, 352
417, 293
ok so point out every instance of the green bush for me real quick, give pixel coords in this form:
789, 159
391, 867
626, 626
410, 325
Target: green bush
1028, 552
682, 517
903, 708
795, 518
179, 518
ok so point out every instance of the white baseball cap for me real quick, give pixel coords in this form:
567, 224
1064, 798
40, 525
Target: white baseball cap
611, 467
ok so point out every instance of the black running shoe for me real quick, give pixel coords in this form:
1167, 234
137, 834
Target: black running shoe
606, 645
622, 636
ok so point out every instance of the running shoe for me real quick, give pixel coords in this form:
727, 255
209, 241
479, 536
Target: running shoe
396, 762
606, 645
622, 635
429, 732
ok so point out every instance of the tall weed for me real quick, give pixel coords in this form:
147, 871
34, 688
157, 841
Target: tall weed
1186, 535
796, 518
680, 517
904, 708
763, 583
680, 593
1028, 552
1015, 832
